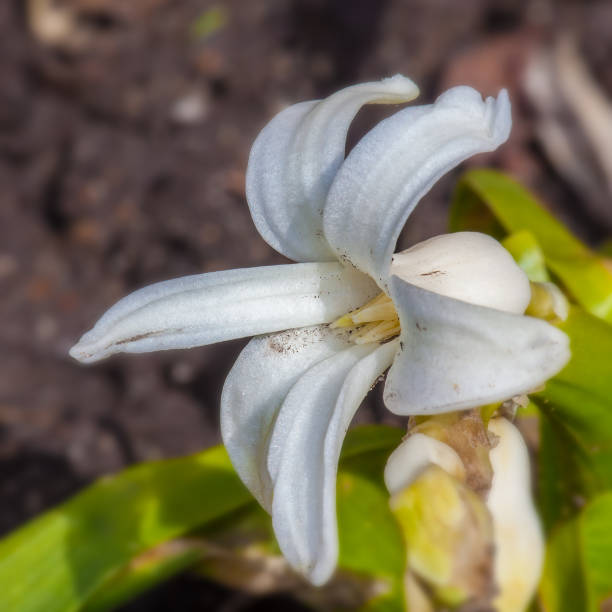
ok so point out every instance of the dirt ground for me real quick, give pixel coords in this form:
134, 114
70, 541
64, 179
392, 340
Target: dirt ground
125, 128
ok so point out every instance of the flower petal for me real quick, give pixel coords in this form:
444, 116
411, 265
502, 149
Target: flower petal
467, 266
207, 308
396, 163
456, 355
519, 543
304, 451
295, 158
254, 390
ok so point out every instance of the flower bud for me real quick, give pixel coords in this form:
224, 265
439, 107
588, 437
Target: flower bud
467, 266
448, 535
413, 455
519, 544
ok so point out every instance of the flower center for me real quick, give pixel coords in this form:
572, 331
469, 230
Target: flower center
375, 321
465, 266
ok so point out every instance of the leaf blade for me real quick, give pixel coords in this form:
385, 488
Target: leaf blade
489, 201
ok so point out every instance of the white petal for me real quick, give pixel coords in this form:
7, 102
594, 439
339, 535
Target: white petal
254, 390
295, 158
519, 544
304, 451
207, 308
396, 163
413, 455
456, 355
467, 266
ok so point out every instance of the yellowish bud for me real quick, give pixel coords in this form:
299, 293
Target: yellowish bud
519, 544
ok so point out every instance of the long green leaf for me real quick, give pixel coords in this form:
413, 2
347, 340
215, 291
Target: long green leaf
577, 572
144, 572
528, 254
576, 441
489, 201
81, 554
371, 542
57, 561
363, 515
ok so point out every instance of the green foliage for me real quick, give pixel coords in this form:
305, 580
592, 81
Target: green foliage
606, 248
577, 572
576, 448
125, 533
364, 516
526, 251
575, 455
57, 561
488, 201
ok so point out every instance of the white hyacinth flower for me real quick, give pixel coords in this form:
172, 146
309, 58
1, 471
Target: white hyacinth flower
289, 399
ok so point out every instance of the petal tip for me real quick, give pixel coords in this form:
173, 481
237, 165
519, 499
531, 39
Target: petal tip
495, 111
502, 117
76, 352
400, 85
321, 573
86, 350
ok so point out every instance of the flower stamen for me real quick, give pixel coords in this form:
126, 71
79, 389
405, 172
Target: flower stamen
375, 321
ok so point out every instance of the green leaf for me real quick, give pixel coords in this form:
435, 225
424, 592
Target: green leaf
144, 572
224, 549
126, 533
369, 438
527, 253
371, 542
577, 572
606, 249
56, 562
489, 201
576, 440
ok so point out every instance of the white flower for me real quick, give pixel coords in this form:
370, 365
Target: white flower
290, 397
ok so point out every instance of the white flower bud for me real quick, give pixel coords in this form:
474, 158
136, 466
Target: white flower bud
519, 544
467, 266
413, 455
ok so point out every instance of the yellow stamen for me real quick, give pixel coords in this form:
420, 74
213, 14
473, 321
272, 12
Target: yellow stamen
377, 312
345, 321
375, 321
377, 333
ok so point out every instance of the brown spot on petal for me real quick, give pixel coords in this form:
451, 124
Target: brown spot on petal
433, 273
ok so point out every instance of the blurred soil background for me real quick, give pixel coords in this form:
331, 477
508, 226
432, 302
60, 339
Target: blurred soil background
125, 129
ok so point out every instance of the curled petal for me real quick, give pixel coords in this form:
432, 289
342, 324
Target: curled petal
519, 543
207, 308
396, 163
255, 389
304, 450
295, 158
456, 355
